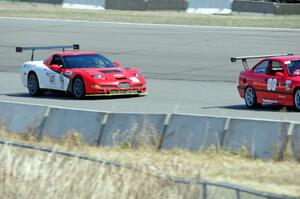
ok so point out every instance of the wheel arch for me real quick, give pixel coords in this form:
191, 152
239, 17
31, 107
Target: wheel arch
294, 92
32, 72
295, 89
250, 85
70, 86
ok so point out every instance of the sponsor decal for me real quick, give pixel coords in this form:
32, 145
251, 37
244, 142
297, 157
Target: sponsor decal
269, 101
288, 85
68, 73
62, 81
118, 75
51, 79
134, 79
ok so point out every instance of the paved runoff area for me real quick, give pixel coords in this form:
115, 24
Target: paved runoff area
188, 67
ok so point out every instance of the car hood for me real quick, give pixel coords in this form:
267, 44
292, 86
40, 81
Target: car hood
114, 73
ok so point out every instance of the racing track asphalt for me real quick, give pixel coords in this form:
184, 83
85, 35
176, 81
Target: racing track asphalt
188, 68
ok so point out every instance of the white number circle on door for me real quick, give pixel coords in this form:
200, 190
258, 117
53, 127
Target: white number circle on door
272, 83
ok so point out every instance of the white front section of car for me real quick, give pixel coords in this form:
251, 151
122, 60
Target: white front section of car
48, 79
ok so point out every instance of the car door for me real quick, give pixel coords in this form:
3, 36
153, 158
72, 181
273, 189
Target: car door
56, 79
259, 77
275, 82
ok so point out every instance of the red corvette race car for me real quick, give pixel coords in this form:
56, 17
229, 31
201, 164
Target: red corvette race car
79, 73
273, 80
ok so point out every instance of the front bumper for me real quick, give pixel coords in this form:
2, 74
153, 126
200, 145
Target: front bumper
119, 93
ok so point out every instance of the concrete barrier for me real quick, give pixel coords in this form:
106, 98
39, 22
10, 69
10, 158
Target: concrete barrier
243, 6
21, 118
253, 6
86, 4
39, 1
132, 128
295, 140
263, 139
194, 132
209, 6
166, 5
287, 9
61, 121
126, 4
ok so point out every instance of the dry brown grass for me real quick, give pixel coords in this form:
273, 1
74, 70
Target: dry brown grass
23, 172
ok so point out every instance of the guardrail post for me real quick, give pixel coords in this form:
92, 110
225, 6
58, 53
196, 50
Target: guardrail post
238, 194
225, 130
166, 123
41, 127
103, 123
204, 194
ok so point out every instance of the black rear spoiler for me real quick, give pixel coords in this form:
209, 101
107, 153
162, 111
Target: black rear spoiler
244, 58
21, 49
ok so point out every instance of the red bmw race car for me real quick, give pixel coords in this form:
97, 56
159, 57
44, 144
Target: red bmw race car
80, 73
273, 80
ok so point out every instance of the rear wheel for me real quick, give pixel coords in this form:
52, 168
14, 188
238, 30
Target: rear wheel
250, 98
78, 88
297, 100
33, 85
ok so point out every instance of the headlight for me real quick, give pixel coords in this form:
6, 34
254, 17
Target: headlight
98, 76
139, 74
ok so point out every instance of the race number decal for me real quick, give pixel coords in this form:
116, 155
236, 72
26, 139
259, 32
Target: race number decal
272, 83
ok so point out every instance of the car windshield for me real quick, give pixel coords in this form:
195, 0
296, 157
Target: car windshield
294, 67
87, 61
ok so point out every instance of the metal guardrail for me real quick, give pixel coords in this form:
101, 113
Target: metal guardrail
204, 183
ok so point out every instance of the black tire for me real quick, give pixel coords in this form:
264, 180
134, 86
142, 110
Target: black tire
78, 88
297, 100
250, 98
33, 85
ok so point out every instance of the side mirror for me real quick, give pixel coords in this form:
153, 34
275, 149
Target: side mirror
55, 67
116, 63
279, 74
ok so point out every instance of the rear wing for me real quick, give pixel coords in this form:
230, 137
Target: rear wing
244, 58
33, 49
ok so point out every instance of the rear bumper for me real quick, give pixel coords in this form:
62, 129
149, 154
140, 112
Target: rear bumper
241, 90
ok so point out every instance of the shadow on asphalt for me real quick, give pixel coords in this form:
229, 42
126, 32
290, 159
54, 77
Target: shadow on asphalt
64, 96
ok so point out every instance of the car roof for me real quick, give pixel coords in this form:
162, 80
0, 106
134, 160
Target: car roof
284, 58
70, 53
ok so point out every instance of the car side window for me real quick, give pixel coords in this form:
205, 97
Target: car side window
262, 67
57, 60
274, 67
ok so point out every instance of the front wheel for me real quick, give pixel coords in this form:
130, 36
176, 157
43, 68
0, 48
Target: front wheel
250, 98
33, 85
78, 88
297, 100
